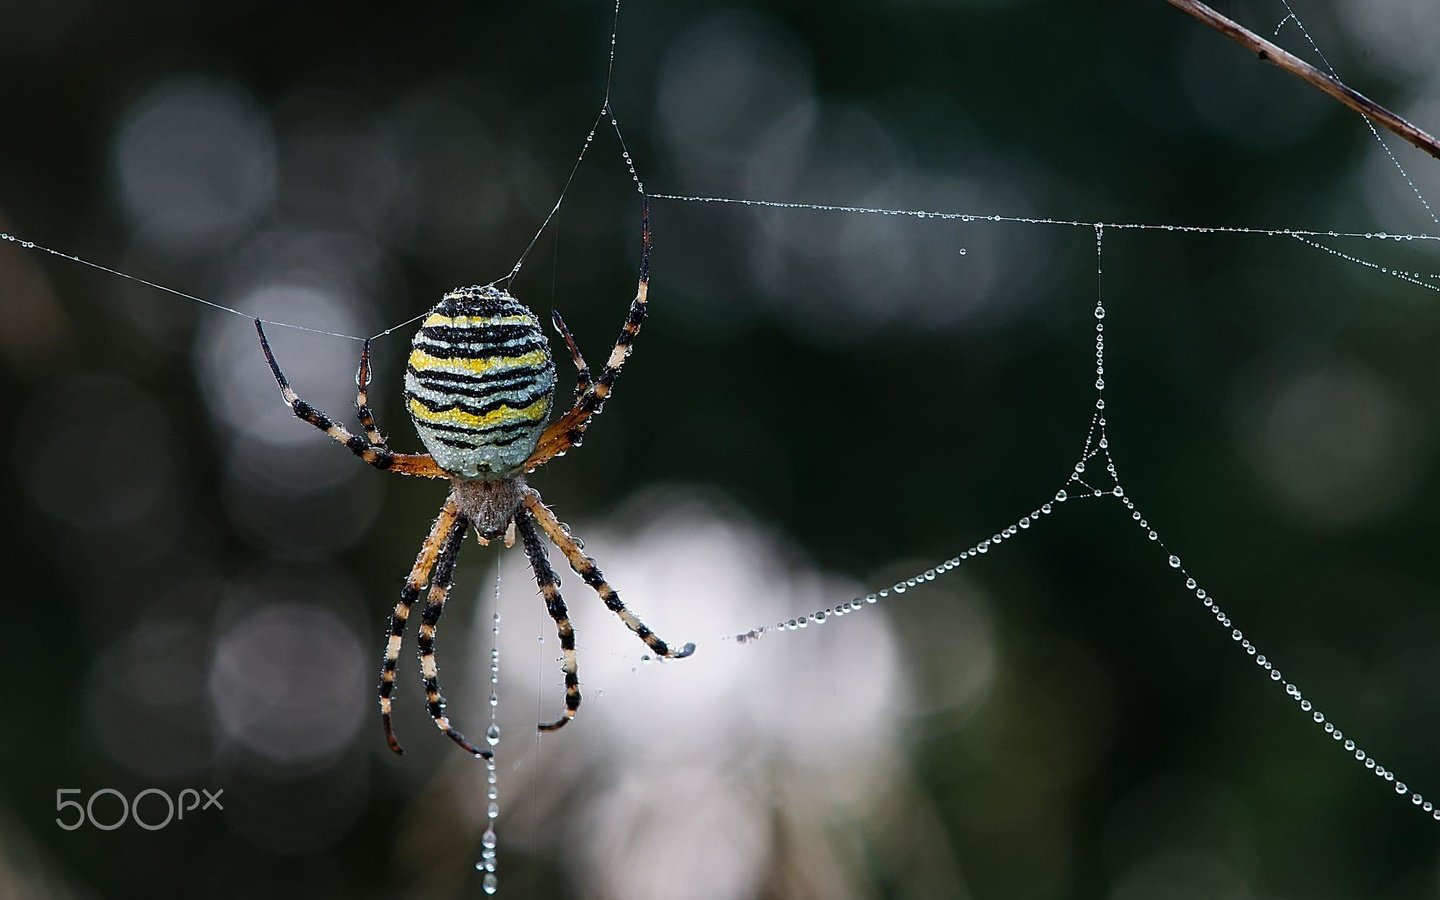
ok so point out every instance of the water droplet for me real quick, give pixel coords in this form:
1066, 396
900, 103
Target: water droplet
492, 734
1174, 562
1061, 496
491, 883
488, 840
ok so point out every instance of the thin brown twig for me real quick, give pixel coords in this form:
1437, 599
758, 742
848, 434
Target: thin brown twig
1298, 67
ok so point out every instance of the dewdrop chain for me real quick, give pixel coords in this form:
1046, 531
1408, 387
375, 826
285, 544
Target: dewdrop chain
490, 882
1095, 477
1306, 236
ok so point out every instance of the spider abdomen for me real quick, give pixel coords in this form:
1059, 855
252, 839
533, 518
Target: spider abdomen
479, 383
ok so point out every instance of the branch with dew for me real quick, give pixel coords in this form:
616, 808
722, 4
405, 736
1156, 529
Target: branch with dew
1273, 53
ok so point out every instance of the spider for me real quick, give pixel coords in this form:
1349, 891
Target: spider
479, 385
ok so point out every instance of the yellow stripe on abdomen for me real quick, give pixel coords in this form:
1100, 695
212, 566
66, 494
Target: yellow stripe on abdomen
478, 365
502, 415
436, 319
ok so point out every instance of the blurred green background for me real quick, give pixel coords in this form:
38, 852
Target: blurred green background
820, 403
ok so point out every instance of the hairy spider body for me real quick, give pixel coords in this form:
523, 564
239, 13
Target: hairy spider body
479, 385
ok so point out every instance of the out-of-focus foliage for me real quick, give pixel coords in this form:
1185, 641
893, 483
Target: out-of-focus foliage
820, 403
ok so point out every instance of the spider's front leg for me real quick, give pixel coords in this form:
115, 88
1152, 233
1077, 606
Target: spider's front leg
415, 583
376, 454
550, 589
429, 622
568, 430
585, 567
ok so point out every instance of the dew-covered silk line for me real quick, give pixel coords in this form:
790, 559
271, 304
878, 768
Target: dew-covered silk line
1095, 476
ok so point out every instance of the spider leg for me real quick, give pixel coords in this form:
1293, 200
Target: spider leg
414, 584
568, 430
417, 464
362, 400
582, 371
585, 567
550, 588
429, 620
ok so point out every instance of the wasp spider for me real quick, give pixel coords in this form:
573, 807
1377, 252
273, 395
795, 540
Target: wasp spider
479, 386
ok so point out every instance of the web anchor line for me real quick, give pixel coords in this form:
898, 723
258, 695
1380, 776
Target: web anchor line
1095, 477
1303, 235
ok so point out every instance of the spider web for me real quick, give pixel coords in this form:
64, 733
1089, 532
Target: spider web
1094, 477
1084, 482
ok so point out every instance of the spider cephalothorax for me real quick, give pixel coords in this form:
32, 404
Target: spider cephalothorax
479, 385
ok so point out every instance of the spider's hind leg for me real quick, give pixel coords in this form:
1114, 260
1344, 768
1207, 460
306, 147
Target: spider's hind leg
550, 588
585, 567
582, 371
429, 621
568, 430
362, 400
420, 465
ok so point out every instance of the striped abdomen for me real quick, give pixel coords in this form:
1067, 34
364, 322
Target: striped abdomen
479, 383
